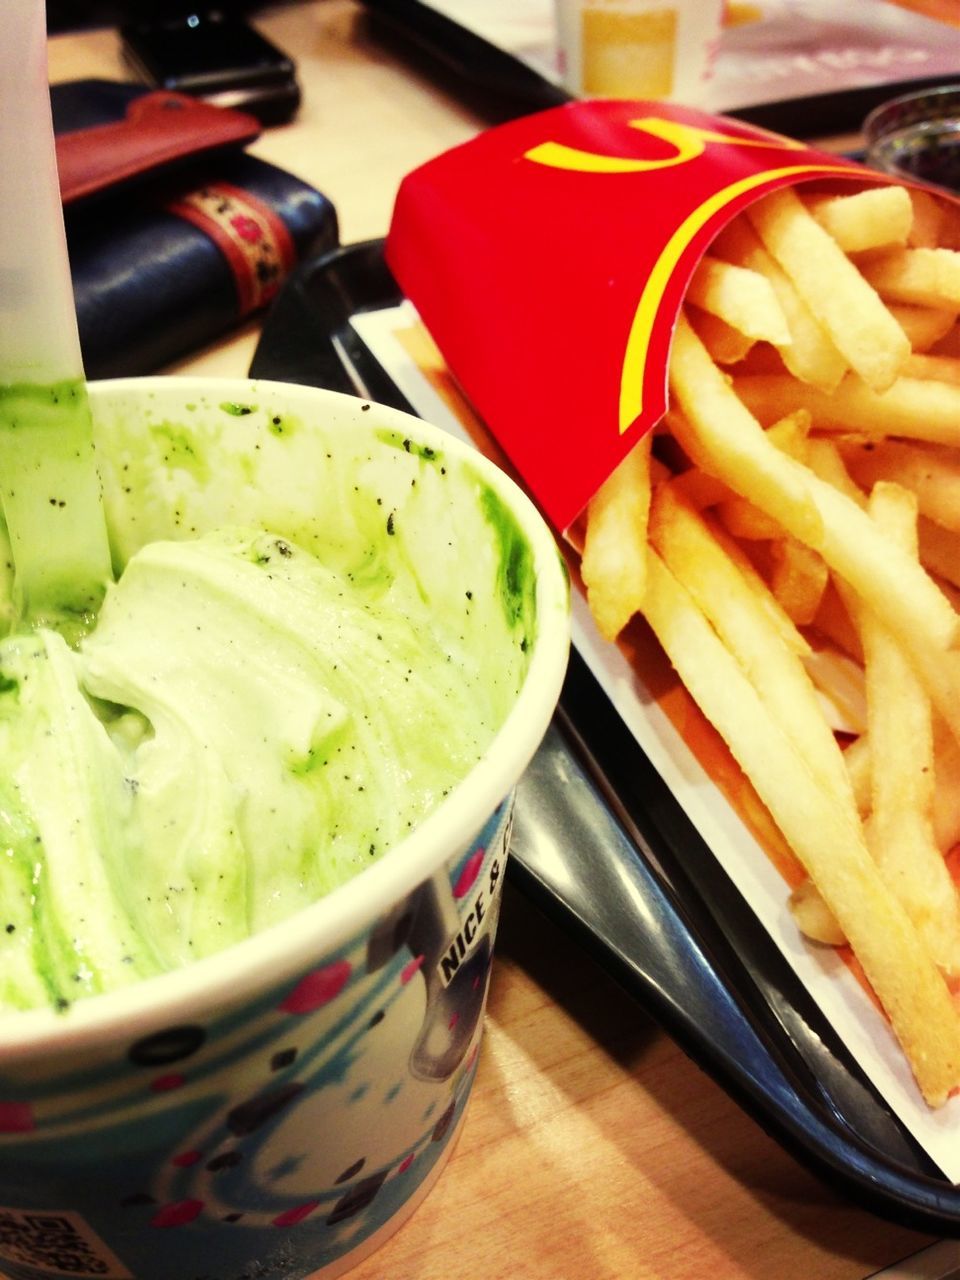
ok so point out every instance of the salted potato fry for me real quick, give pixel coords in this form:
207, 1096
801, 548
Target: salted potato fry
743, 298
739, 516
834, 623
928, 218
790, 433
900, 832
871, 219
806, 905
913, 407
940, 673
725, 439
937, 368
924, 277
813, 917
857, 759
824, 460
924, 326
826, 839
938, 669
939, 550
798, 578
810, 355
699, 388
949, 344
743, 520
680, 493
699, 489
751, 629
861, 327
726, 344
789, 545
613, 563
932, 472
946, 793
950, 591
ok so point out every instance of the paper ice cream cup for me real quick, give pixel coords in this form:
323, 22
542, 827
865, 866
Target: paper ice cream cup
279, 1108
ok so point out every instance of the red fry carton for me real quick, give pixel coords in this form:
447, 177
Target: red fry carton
549, 257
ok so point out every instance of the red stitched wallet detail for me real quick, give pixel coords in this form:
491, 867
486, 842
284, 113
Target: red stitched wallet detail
159, 130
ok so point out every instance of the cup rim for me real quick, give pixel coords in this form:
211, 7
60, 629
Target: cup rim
286, 949
915, 107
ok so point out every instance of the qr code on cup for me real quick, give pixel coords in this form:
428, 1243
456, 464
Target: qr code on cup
36, 1244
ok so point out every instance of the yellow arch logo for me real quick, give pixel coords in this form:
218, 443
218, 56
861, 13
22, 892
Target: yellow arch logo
688, 142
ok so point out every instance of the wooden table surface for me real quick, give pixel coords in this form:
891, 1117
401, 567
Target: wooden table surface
593, 1148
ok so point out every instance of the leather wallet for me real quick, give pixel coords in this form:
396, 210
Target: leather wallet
175, 234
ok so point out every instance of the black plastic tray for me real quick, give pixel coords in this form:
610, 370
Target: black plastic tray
691, 952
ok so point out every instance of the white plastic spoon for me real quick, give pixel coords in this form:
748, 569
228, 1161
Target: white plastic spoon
49, 486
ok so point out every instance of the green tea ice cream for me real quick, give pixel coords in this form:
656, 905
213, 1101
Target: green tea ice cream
311, 637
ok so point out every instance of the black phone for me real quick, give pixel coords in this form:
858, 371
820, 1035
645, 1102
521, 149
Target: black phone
217, 57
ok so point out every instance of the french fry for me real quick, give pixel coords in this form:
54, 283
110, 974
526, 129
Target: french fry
798, 579
825, 838
740, 296
743, 520
946, 794
922, 277
924, 326
762, 358
857, 759
810, 355
939, 550
949, 344
940, 673
824, 460
813, 917
699, 489
739, 516
806, 905
751, 628
932, 472
790, 433
720, 434
613, 563
938, 669
936, 367
680, 493
950, 591
834, 623
871, 219
850, 310
792, 493
928, 219
913, 407
726, 344
753, 632
803, 570
900, 832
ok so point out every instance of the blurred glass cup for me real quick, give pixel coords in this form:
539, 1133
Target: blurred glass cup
638, 48
917, 137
